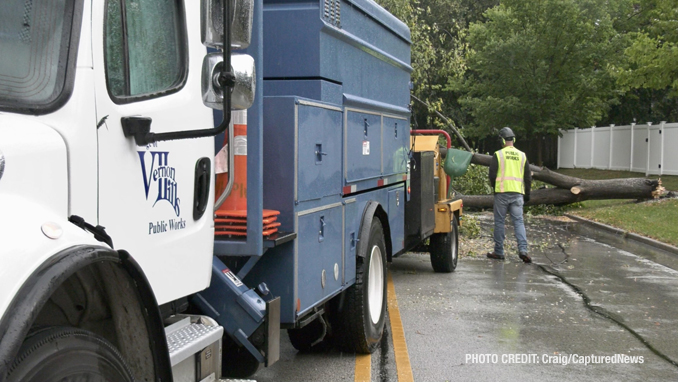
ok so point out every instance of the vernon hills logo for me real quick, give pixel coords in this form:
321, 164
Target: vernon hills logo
161, 175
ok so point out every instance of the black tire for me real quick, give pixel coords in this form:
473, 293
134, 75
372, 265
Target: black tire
68, 354
361, 332
444, 249
303, 338
236, 361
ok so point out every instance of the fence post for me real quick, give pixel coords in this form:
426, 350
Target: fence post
631, 164
609, 162
593, 143
647, 164
574, 160
661, 158
560, 132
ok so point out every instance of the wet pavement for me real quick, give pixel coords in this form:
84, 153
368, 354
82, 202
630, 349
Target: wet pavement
583, 300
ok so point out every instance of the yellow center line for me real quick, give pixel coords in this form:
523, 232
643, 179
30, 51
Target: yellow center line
363, 367
402, 357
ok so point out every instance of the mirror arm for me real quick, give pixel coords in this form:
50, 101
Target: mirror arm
226, 82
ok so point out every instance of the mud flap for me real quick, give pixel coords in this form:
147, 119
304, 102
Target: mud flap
272, 331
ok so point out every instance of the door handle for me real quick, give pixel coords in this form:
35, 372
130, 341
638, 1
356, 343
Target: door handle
319, 153
202, 187
321, 233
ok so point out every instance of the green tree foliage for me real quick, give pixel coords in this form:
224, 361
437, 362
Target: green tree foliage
653, 54
539, 66
475, 182
438, 28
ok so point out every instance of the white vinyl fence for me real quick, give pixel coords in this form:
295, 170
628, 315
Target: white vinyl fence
648, 148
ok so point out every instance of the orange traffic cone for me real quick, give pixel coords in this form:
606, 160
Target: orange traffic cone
231, 217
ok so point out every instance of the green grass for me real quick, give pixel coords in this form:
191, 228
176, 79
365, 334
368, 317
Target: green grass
655, 219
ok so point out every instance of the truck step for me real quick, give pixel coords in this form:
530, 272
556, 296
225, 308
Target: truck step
186, 338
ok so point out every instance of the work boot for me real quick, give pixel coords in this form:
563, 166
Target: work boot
494, 256
524, 257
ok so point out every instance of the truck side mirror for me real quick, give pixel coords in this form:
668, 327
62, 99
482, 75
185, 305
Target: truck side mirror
212, 26
242, 95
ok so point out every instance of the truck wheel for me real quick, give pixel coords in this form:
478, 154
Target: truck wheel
365, 304
68, 354
444, 249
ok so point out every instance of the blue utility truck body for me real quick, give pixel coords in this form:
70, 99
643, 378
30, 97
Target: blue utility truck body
336, 92
332, 135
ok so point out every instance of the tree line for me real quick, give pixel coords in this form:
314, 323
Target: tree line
541, 65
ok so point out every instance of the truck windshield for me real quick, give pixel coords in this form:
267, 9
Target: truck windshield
35, 37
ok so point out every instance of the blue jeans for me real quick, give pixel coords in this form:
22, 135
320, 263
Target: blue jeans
513, 203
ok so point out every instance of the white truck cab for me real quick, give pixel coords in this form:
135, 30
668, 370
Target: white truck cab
104, 216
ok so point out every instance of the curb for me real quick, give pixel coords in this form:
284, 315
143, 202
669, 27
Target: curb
626, 234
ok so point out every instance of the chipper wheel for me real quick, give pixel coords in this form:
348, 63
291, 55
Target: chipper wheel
444, 249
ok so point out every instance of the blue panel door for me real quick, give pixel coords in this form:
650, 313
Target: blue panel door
319, 151
363, 146
396, 145
319, 256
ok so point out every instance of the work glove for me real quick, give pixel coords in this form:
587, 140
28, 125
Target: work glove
526, 198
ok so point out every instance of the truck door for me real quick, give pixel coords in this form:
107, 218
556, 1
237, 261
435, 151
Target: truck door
147, 64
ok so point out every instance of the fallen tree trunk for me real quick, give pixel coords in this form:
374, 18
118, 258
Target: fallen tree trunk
571, 189
630, 188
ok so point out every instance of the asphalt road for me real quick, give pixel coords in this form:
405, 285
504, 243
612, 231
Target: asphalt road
585, 310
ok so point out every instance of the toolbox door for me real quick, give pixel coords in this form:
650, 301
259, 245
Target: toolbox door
319, 265
319, 151
363, 146
396, 140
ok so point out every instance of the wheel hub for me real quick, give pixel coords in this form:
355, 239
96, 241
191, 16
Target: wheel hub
375, 286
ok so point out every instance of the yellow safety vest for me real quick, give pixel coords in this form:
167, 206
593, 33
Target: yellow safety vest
511, 170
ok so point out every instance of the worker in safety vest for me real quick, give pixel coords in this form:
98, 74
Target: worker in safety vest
511, 180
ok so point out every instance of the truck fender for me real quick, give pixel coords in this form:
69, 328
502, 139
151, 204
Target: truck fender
48, 277
374, 210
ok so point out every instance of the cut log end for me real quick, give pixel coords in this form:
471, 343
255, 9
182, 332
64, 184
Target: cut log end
659, 191
575, 190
